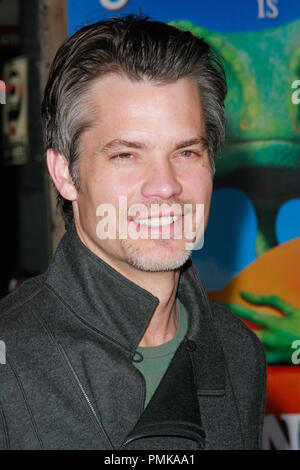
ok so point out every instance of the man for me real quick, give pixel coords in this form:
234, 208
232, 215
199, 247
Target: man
116, 346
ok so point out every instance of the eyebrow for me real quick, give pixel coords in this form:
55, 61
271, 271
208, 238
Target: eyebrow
188, 143
117, 143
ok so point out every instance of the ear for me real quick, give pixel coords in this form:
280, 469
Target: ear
58, 168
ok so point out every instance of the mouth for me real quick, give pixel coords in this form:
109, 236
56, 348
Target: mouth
152, 227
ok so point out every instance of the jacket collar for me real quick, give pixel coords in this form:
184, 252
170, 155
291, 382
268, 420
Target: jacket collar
106, 301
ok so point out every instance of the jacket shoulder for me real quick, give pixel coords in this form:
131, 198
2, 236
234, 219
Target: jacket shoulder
240, 343
229, 325
18, 300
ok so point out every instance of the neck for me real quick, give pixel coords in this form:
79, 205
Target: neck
163, 324
164, 321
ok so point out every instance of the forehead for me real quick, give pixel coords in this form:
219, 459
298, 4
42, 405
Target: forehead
144, 111
118, 92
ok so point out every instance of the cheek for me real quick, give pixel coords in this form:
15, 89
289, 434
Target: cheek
120, 181
199, 185
105, 185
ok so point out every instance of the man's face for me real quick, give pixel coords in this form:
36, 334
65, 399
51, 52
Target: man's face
147, 145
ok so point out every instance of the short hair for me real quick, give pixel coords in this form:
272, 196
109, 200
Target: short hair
140, 49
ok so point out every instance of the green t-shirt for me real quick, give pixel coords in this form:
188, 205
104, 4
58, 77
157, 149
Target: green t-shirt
156, 359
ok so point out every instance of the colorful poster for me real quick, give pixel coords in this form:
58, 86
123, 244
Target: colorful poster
251, 255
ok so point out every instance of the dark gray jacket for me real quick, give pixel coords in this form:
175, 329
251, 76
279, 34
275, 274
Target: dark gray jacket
69, 381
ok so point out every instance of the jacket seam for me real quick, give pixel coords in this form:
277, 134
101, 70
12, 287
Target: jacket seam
192, 359
216, 334
21, 303
6, 443
28, 407
235, 402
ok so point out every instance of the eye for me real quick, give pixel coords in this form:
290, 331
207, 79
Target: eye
188, 154
123, 156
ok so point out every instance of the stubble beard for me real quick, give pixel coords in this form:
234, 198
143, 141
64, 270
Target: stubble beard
147, 260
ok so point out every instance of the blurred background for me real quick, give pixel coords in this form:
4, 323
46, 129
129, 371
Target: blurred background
30, 32
251, 255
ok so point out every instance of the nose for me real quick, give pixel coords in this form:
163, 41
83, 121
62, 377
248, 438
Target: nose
161, 181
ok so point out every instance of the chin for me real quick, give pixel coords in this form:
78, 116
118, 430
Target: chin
158, 259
